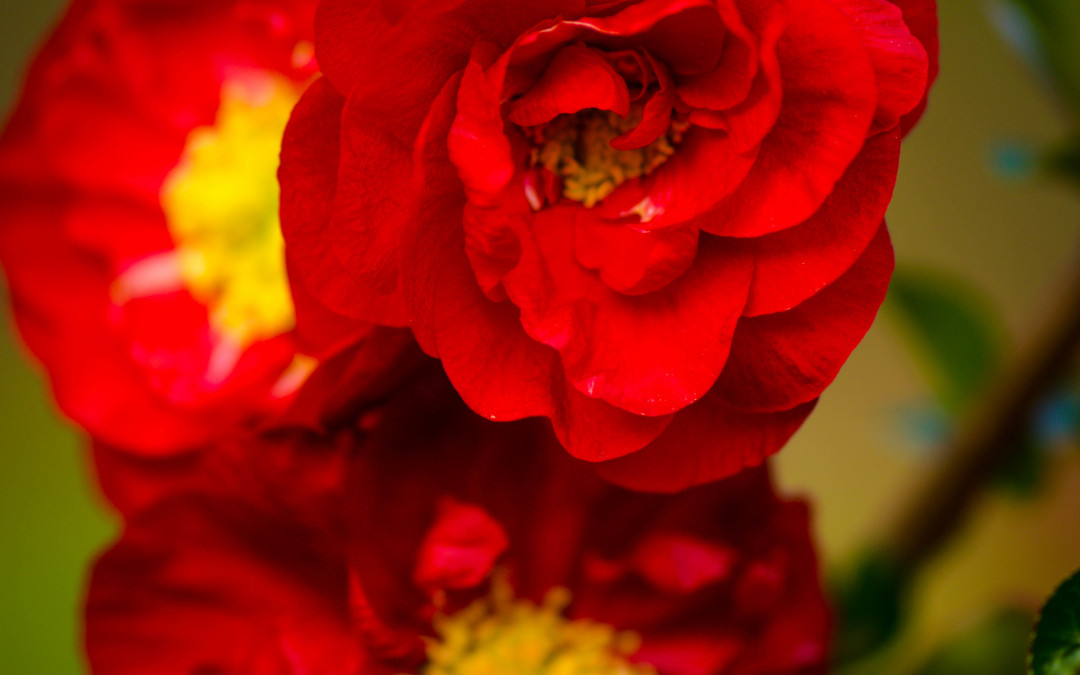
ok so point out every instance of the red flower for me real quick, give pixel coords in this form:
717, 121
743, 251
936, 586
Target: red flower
445, 508
295, 555
628, 217
138, 225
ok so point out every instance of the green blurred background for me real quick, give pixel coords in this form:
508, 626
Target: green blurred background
955, 210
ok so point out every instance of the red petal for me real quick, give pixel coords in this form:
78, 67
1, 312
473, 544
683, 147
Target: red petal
649, 354
754, 115
829, 98
728, 83
708, 441
577, 78
60, 297
921, 17
683, 34
781, 360
212, 585
794, 264
682, 564
704, 169
500, 372
324, 235
630, 261
460, 548
477, 144
656, 117
899, 59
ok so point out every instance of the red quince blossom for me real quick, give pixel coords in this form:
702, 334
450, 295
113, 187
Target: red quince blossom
138, 225
444, 508
649, 221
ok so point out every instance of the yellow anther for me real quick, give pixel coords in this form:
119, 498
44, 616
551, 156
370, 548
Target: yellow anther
499, 635
221, 206
578, 149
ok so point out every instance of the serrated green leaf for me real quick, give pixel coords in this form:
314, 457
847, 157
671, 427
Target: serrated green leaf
1055, 650
997, 646
951, 329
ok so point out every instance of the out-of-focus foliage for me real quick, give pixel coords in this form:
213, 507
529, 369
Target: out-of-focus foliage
1064, 160
996, 646
868, 601
1046, 31
957, 337
950, 328
1047, 34
1055, 650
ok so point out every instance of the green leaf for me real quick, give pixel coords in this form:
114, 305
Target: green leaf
952, 330
1055, 649
997, 646
869, 602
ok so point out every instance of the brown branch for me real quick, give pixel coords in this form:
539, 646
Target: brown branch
985, 439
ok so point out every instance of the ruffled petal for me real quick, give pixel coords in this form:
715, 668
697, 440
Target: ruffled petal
781, 360
729, 83
499, 371
899, 59
794, 264
477, 143
922, 18
328, 218
578, 77
829, 99
705, 168
708, 441
212, 585
649, 354
681, 33
630, 261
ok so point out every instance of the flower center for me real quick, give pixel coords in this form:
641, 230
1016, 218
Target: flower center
221, 205
577, 149
499, 634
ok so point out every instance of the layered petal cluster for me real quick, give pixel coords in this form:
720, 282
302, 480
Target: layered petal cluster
293, 555
646, 221
655, 228
441, 512
139, 229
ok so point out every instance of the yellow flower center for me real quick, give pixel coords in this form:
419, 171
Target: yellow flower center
500, 635
221, 205
577, 148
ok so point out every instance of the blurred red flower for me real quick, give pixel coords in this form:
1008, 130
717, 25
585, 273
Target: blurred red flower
291, 554
627, 217
139, 228
445, 509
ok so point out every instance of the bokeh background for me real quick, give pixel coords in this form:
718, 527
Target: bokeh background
965, 207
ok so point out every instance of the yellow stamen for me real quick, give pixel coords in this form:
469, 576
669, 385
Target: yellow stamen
578, 149
221, 205
499, 635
